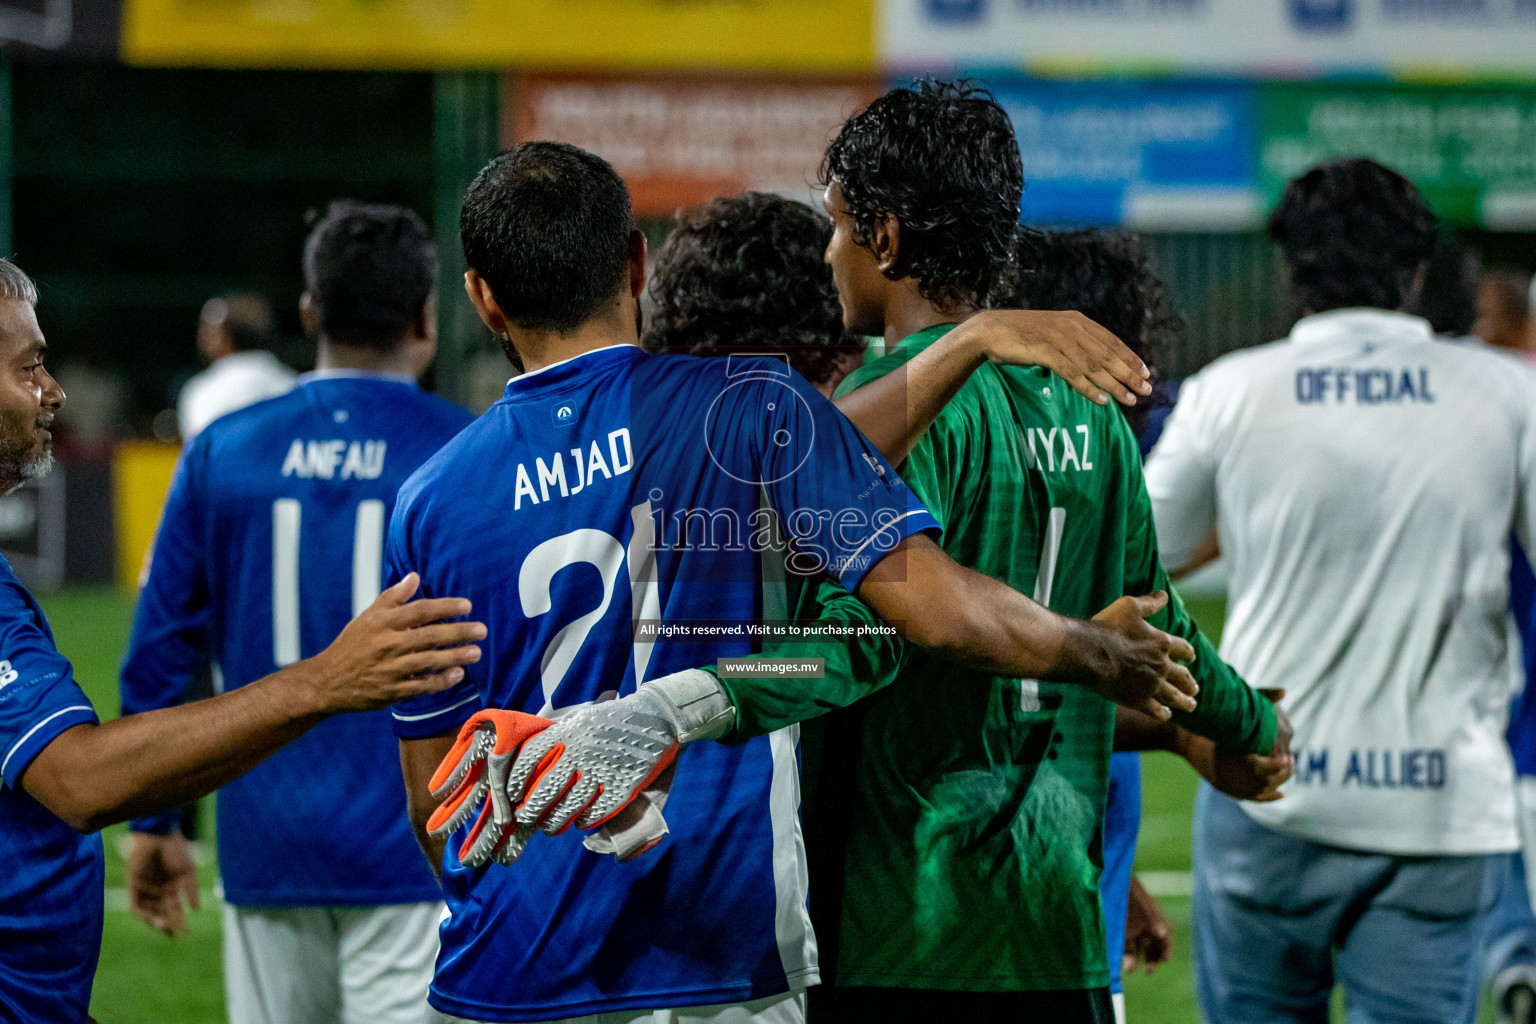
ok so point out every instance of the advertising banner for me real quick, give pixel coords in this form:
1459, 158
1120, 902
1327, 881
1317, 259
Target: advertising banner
1270, 38
681, 141
763, 35
1153, 155
1471, 151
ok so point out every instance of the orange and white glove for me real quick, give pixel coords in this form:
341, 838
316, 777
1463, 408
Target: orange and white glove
598, 759
472, 780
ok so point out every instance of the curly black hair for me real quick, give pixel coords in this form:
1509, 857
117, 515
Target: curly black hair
1354, 234
369, 268
745, 274
1106, 275
942, 158
1448, 299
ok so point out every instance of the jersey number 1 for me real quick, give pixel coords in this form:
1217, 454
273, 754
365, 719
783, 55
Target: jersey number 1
367, 569
1045, 581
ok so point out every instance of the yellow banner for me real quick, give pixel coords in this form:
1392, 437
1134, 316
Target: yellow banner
694, 35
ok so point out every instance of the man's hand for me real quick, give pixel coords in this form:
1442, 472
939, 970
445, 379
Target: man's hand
161, 874
1148, 936
1148, 675
1253, 777
1091, 359
397, 648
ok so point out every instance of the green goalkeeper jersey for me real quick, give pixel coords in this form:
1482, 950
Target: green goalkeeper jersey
974, 846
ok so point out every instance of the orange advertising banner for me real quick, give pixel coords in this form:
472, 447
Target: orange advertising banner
680, 141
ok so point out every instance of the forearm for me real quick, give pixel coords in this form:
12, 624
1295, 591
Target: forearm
1135, 732
864, 661
964, 616
93, 776
896, 410
418, 760
1231, 713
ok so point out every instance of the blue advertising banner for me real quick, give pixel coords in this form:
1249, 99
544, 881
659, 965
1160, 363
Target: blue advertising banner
1172, 155
1284, 39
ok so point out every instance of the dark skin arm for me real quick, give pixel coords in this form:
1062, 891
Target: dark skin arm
418, 760
896, 410
978, 621
94, 775
1241, 776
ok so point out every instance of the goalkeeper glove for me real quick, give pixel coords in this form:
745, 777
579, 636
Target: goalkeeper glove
474, 778
593, 762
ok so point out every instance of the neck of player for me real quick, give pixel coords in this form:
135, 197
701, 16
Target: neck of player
404, 357
907, 312
616, 324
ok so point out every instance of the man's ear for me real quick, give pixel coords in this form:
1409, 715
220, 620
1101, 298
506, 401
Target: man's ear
637, 254
885, 243
309, 315
480, 297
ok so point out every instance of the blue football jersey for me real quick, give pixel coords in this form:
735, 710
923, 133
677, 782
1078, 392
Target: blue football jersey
612, 490
50, 875
272, 540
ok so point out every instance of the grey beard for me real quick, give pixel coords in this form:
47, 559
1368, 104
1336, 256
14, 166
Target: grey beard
15, 472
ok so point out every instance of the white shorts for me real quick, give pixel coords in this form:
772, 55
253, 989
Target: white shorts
330, 965
788, 1008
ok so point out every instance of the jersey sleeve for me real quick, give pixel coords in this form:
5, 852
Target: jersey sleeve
1229, 711
868, 660
39, 697
430, 714
1181, 473
840, 502
170, 626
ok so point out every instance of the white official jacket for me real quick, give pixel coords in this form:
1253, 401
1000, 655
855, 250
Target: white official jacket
1364, 478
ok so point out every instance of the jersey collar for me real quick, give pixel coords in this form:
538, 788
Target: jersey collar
1380, 326
314, 375
566, 370
915, 343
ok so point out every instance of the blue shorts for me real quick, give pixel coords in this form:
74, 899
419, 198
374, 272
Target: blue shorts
1122, 820
1278, 920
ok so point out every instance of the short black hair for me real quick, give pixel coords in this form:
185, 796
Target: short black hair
746, 274
1354, 234
547, 226
1105, 274
940, 157
369, 268
1452, 274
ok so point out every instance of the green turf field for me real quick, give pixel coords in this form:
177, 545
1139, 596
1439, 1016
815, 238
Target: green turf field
147, 977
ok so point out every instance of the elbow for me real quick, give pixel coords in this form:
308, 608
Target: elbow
81, 811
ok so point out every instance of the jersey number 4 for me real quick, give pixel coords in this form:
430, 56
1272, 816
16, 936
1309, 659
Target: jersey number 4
367, 569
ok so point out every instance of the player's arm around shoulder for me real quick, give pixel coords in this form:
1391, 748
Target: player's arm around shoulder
94, 775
